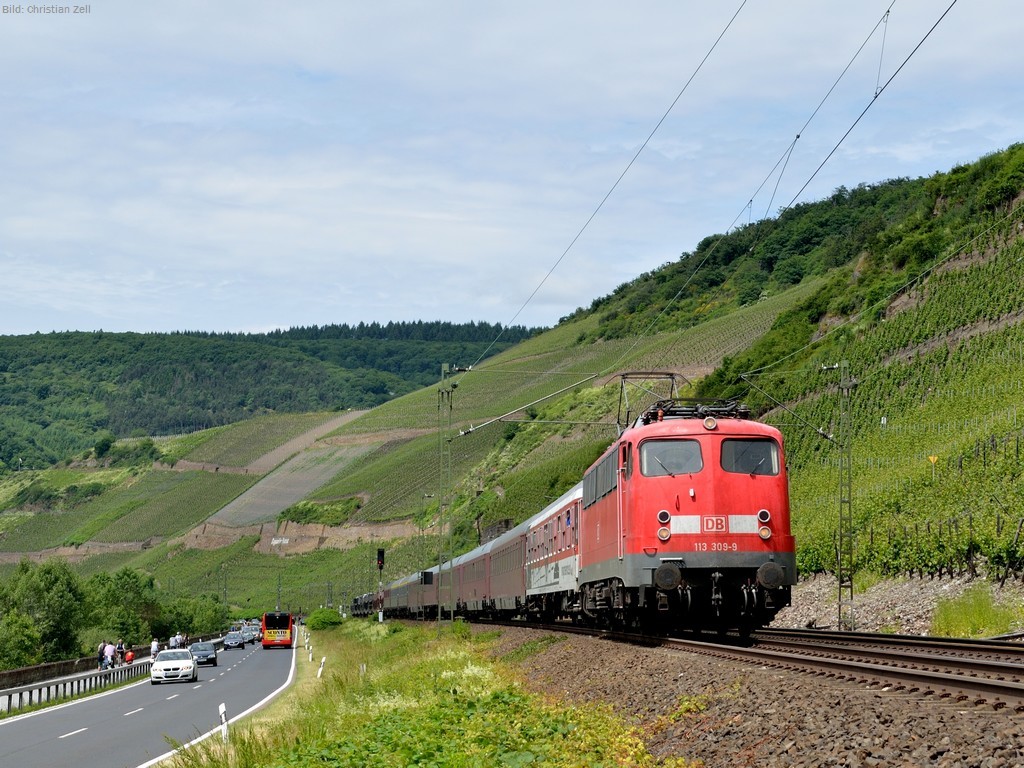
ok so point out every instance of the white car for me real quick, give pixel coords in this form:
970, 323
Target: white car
175, 664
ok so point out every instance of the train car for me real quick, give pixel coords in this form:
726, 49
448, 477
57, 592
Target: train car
423, 594
362, 605
685, 522
397, 596
508, 572
474, 582
552, 558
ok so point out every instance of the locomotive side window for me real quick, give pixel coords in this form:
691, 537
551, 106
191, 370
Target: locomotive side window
601, 480
670, 457
751, 456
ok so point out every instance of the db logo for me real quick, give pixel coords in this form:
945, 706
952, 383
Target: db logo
714, 524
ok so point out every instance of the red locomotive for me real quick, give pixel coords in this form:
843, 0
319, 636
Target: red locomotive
683, 523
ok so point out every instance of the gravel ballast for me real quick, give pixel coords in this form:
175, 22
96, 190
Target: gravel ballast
723, 714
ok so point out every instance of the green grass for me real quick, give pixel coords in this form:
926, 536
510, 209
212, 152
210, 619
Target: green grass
427, 700
531, 648
977, 613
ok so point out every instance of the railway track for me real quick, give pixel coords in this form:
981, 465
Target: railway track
982, 672
987, 673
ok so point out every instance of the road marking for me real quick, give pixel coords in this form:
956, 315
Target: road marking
132, 712
72, 733
172, 697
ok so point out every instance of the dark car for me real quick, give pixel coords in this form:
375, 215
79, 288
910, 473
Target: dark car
204, 653
234, 640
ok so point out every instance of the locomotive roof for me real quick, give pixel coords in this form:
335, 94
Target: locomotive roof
678, 408
679, 417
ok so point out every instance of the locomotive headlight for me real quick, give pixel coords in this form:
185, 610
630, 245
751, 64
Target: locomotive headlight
664, 534
710, 422
763, 516
664, 516
764, 532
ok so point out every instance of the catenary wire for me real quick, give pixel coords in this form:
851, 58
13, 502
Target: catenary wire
622, 175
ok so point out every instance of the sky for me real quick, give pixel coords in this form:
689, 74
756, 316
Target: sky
249, 166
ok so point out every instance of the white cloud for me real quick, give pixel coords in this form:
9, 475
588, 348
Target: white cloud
248, 165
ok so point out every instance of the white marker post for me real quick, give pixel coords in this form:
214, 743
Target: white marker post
223, 723
320, 671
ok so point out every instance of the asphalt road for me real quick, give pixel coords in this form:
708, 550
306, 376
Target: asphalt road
136, 725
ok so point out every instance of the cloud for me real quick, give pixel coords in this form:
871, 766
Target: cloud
236, 165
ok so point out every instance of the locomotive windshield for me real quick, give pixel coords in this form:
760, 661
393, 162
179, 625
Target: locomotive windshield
670, 457
751, 456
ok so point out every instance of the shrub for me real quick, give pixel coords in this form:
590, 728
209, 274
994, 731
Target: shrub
323, 618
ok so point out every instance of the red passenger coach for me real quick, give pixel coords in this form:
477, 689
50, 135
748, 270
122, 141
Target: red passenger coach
553, 557
685, 522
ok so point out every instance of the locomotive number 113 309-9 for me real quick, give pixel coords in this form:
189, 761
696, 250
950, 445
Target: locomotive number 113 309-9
715, 546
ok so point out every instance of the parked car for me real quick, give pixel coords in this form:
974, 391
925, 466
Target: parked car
234, 640
173, 664
204, 653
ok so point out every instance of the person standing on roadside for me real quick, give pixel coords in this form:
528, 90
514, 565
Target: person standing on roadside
154, 648
109, 654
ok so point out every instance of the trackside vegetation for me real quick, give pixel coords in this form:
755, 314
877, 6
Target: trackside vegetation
393, 695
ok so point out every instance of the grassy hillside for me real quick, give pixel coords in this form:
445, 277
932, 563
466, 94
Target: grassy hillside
61, 393
915, 284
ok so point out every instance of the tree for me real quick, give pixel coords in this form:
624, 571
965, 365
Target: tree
20, 643
124, 604
51, 595
103, 444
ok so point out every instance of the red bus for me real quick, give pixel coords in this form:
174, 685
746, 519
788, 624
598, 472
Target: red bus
278, 629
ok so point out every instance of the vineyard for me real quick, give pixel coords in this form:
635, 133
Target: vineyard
915, 285
247, 441
157, 505
288, 484
935, 433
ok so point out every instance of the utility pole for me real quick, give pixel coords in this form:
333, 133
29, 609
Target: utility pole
380, 585
845, 563
445, 394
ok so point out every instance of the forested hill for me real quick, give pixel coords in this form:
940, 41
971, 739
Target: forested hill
901, 225
61, 392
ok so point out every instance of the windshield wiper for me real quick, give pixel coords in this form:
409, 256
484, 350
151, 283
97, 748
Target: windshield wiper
669, 471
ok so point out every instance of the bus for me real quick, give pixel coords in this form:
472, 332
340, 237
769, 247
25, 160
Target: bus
278, 629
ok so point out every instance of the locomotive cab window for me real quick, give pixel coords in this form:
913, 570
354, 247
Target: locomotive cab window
670, 458
751, 456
